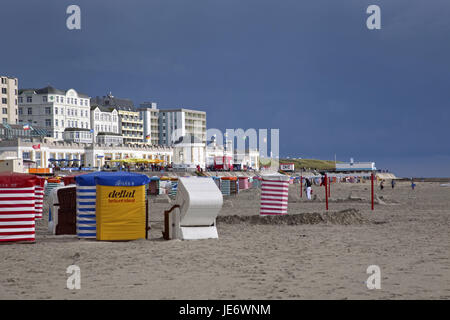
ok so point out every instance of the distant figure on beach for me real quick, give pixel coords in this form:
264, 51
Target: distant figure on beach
382, 184
393, 183
308, 185
413, 185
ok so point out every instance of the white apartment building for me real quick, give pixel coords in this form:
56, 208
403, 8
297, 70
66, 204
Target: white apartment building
9, 100
106, 125
177, 123
54, 110
149, 114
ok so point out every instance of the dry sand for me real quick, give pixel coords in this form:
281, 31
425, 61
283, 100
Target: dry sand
314, 256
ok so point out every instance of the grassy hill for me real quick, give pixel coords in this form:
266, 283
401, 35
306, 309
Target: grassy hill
306, 164
313, 164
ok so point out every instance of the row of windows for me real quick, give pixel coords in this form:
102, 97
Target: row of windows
105, 117
48, 110
131, 118
105, 128
70, 123
74, 101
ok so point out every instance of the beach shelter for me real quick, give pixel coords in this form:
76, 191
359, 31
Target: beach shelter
62, 210
216, 181
39, 197
51, 184
225, 186
274, 194
256, 183
243, 183
153, 185
121, 206
197, 205
85, 205
234, 185
68, 180
17, 207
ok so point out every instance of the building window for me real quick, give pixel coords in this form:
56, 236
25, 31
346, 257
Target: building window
4, 100
62, 123
20, 111
48, 122
29, 99
30, 110
56, 110
4, 91
5, 120
20, 99
56, 122
5, 110
62, 99
44, 99
47, 110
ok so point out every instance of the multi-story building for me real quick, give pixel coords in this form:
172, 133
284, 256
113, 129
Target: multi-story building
149, 114
175, 124
9, 100
130, 124
105, 123
54, 110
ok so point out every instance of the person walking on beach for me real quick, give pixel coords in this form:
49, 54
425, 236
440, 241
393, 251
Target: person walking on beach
393, 183
308, 185
413, 185
382, 184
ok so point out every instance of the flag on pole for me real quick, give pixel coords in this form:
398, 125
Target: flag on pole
26, 126
37, 147
147, 137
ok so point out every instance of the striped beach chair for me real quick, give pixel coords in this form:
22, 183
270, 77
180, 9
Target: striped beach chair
274, 194
17, 207
86, 219
50, 186
39, 197
225, 187
86, 201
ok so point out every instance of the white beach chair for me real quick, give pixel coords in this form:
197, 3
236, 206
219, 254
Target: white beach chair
197, 205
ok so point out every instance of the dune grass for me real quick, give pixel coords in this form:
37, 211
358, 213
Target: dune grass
308, 164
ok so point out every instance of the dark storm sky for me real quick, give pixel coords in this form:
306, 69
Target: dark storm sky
310, 68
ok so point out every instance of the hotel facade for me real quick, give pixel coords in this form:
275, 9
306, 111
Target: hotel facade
54, 109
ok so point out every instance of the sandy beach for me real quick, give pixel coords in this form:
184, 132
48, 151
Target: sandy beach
310, 256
